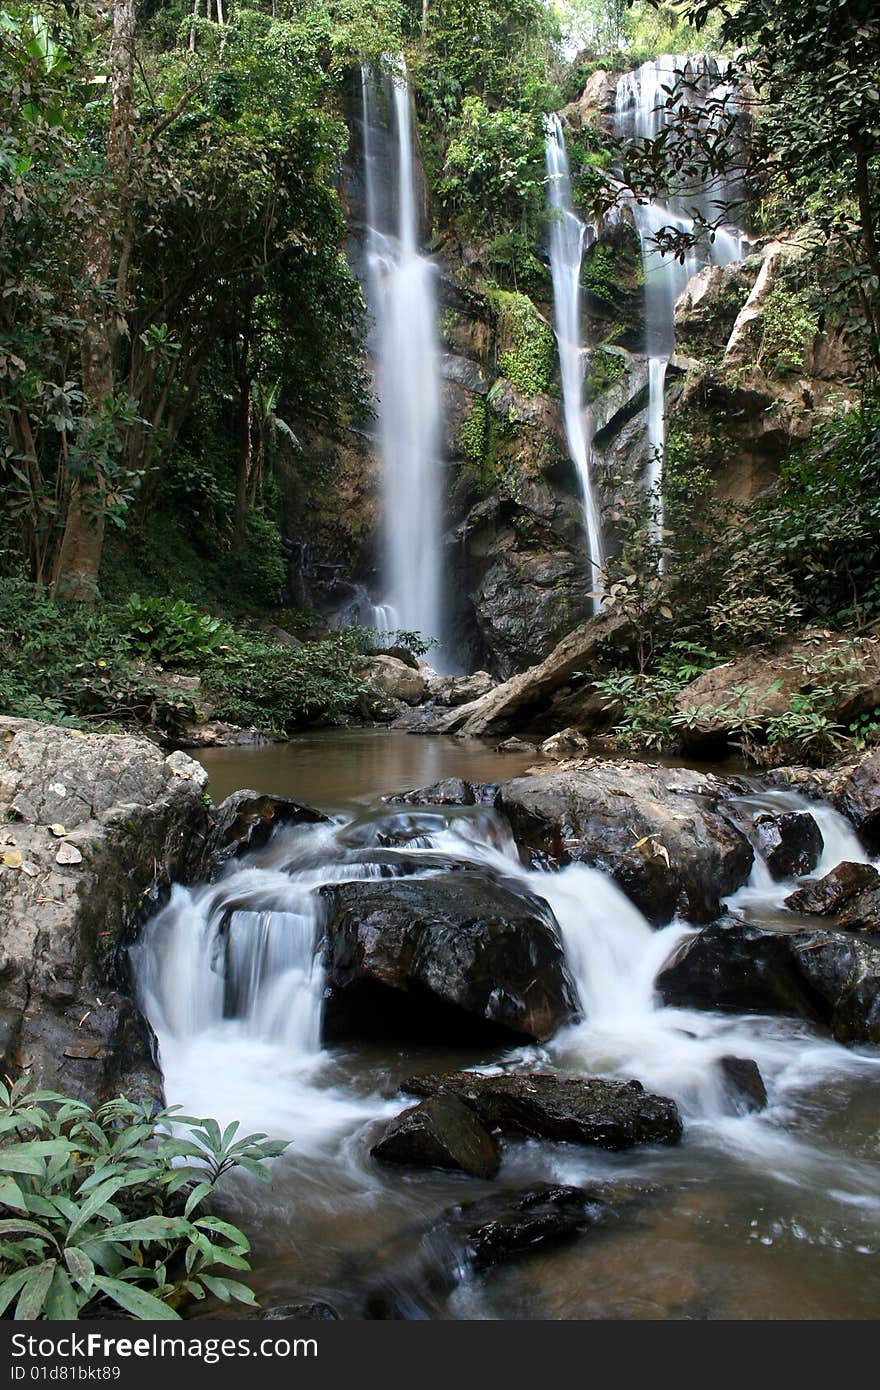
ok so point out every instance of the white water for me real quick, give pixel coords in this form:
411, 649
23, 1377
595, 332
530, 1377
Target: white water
641, 113
567, 239
402, 300
230, 978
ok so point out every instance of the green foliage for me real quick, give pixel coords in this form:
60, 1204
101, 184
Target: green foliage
493, 174
281, 688
101, 1215
173, 632
605, 369
528, 356
70, 664
814, 544
789, 324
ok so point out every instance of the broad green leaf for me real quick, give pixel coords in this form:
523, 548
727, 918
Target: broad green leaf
33, 1294
135, 1300
149, 1228
197, 1195
30, 1158
99, 1198
62, 1303
10, 1285
80, 1266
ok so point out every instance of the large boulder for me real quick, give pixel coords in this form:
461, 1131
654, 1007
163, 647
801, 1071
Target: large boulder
93, 827
662, 833
246, 820
451, 691
790, 844
568, 1109
510, 705
455, 956
442, 1132
391, 676
767, 679
827, 976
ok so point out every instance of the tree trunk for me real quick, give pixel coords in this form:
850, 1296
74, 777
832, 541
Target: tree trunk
79, 554
192, 27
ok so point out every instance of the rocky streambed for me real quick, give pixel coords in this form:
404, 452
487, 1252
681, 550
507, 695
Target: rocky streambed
608, 1011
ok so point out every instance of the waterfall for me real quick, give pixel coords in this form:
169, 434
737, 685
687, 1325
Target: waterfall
641, 114
567, 238
402, 302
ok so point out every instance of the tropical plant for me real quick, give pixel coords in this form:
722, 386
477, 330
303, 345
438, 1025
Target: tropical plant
101, 1212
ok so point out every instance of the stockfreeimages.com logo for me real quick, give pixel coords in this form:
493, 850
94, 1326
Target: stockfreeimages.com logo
98, 1346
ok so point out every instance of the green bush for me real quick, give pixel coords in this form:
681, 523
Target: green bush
529, 359
100, 1214
258, 682
173, 632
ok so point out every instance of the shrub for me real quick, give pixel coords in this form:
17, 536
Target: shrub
173, 632
102, 1215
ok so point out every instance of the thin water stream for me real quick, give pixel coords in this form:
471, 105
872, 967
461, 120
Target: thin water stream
775, 1214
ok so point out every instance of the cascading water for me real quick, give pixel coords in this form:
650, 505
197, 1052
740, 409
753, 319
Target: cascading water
402, 301
231, 979
567, 240
642, 112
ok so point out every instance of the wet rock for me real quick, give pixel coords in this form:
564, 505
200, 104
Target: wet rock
246, 820
744, 1082
476, 1235
442, 1132
395, 678
137, 820
827, 976
567, 1109
456, 956
823, 897
316, 1311
859, 799
452, 791
217, 734
516, 745
862, 912
662, 833
790, 845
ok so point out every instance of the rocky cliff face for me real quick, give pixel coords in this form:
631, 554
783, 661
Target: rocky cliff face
749, 379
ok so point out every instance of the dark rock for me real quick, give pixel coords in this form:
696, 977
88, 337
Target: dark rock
827, 976
859, 799
731, 965
476, 1235
572, 1110
442, 1132
246, 820
824, 896
452, 791
317, 1311
744, 1082
861, 913
516, 745
662, 833
457, 954
790, 845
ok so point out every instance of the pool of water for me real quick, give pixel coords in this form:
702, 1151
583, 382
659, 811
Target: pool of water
337, 770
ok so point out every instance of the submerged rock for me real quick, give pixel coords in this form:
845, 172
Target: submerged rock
823, 897
454, 956
827, 976
567, 1109
314, 1311
418, 1271
745, 1083
442, 1132
662, 833
790, 845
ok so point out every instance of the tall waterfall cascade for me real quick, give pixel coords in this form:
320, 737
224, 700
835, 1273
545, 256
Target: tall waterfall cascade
401, 297
568, 239
641, 114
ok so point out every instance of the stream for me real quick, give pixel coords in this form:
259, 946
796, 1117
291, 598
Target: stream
767, 1215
